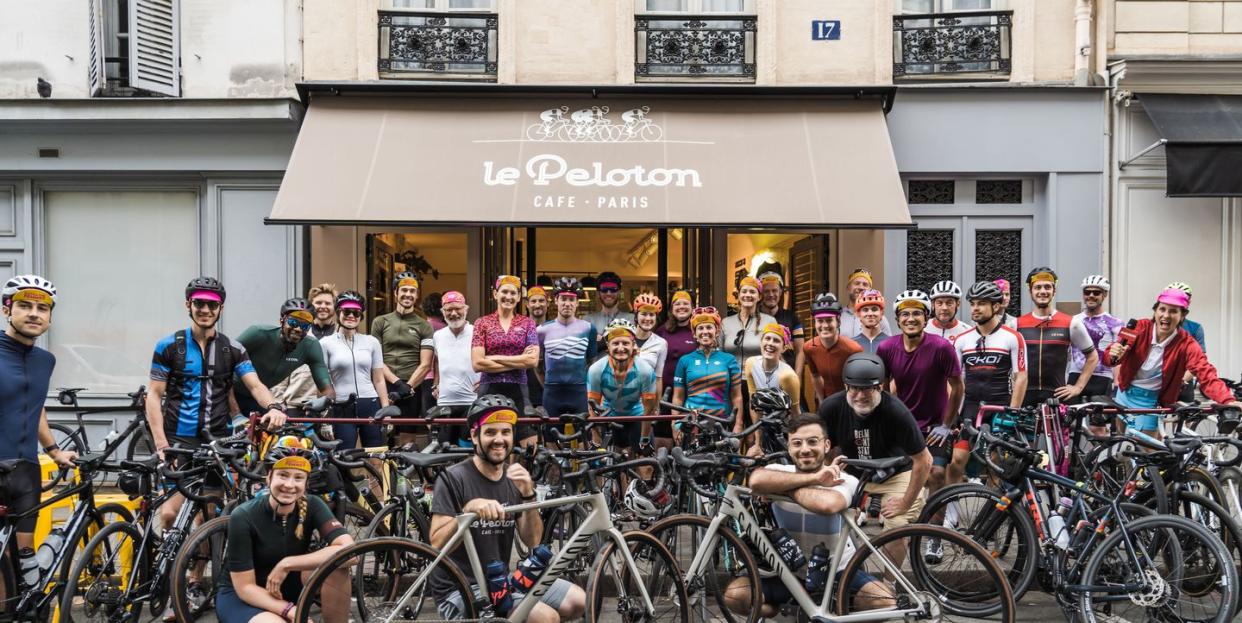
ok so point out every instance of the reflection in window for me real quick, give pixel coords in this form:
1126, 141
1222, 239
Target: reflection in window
695, 6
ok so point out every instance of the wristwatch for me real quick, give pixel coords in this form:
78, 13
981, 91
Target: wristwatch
48, 449
276, 406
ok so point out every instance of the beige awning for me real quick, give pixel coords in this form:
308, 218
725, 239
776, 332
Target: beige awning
582, 161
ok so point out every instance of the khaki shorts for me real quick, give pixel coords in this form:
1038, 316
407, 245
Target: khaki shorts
896, 486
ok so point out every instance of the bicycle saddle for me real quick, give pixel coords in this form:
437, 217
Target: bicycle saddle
423, 459
880, 469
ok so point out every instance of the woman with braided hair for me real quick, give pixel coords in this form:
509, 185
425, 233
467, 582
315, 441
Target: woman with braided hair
269, 543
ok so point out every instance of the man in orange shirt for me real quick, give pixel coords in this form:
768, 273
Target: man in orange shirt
826, 354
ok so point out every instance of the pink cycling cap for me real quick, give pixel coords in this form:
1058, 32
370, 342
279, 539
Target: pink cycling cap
452, 296
1173, 296
206, 295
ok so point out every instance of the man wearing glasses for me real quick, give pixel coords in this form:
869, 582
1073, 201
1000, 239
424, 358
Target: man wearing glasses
1098, 323
275, 352
608, 286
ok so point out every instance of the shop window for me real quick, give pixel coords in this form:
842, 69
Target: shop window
929, 258
998, 255
135, 47
930, 191
118, 293
694, 40
438, 39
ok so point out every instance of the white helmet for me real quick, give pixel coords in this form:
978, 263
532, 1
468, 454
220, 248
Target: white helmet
944, 289
912, 298
636, 500
27, 282
1095, 281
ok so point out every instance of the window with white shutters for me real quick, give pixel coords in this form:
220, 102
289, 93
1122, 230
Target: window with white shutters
154, 46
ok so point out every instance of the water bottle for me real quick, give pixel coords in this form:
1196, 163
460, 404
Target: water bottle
529, 570
817, 570
1056, 523
399, 487
788, 549
47, 550
30, 571
497, 573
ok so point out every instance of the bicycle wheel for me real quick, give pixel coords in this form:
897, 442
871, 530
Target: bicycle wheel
1216, 519
730, 561
558, 526
141, 447
1231, 484
357, 518
66, 438
1009, 535
614, 589
113, 512
201, 557
396, 520
97, 590
390, 569
967, 582
1174, 554
1198, 480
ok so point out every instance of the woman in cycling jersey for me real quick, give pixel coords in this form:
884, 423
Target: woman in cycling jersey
356, 364
707, 379
269, 548
651, 347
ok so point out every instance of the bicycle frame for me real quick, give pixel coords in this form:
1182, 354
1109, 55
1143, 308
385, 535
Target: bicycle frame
597, 521
732, 508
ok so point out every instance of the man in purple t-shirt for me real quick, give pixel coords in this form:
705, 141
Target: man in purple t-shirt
927, 377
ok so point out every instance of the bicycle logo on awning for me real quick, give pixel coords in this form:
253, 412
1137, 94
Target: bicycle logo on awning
592, 125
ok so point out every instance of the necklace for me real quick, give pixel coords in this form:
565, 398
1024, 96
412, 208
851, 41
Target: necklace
767, 376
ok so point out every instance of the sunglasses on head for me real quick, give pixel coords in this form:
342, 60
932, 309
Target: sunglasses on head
294, 323
205, 304
351, 313
704, 310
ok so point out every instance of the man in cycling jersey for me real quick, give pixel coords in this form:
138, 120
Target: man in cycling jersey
993, 360
566, 348
870, 309
484, 484
323, 300
405, 340
820, 491
858, 282
301, 384
276, 351
827, 352
1049, 334
1099, 324
608, 286
772, 304
624, 384
946, 297
25, 373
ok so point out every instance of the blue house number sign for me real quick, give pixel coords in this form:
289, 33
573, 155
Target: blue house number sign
826, 30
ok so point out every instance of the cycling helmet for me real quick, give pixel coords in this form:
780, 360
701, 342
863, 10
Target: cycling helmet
405, 278
985, 291
637, 500
620, 327
913, 298
296, 303
289, 452
566, 285
770, 400
34, 283
349, 298
863, 370
205, 284
1181, 285
1041, 273
1096, 281
490, 408
647, 302
944, 289
869, 297
825, 304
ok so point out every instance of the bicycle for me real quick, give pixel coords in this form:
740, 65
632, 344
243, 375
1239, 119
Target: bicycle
141, 447
391, 575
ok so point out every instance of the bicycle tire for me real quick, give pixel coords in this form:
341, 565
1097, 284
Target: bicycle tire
1226, 529
113, 508
666, 530
1100, 560
1231, 484
664, 583
385, 523
213, 534
1200, 481
8, 585
141, 446
66, 438
349, 555
109, 566
1001, 602
1021, 527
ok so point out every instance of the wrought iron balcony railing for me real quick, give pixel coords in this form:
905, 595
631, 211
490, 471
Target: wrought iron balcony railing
461, 44
953, 44
701, 47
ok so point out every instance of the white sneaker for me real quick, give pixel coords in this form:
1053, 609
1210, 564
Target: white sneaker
933, 552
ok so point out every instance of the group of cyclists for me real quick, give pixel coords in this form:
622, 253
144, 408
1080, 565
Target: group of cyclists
876, 393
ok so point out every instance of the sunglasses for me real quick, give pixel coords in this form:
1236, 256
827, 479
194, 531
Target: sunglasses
704, 310
609, 290
1093, 293
205, 304
351, 313
739, 338
294, 323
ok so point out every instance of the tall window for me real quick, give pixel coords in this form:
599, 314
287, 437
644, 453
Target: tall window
948, 6
695, 6
694, 40
443, 5
121, 291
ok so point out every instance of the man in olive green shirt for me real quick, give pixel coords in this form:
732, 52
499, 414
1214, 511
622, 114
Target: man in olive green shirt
277, 351
405, 337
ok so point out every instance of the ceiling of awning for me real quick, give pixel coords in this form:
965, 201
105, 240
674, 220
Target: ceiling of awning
572, 160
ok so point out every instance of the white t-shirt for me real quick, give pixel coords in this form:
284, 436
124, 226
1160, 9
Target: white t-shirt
655, 352
810, 529
456, 374
350, 363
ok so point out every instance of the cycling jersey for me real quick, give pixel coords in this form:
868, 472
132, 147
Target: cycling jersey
1097, 327
350, 362
680, 342
566, 350
708, 381
1048, 341
25, 372
403, 338
623, 395
783, 378
989, 363
197, 395
654, 350
492, 337
949, 333
273, 362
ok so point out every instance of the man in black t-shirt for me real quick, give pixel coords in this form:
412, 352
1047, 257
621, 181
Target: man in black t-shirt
483, 485
866, 422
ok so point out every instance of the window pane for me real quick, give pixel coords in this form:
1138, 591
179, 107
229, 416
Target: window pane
969, 5
917, 6
732, 6
119, 292
413, 4
470, 4
668, 5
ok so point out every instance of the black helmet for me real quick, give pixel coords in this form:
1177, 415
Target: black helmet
1038, 270
568, 285
985, 291
210, 284
863, 370
350, 296
485, 404
396, 279
608, 275
296, 303
770, 400
826, 303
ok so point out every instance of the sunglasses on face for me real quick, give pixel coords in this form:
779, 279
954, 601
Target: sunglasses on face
1093, 293
205, 304
351, 313
294, 323
609, 290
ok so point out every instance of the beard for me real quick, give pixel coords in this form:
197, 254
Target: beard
456, 325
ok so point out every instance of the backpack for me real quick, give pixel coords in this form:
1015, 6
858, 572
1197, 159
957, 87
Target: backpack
220, 375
